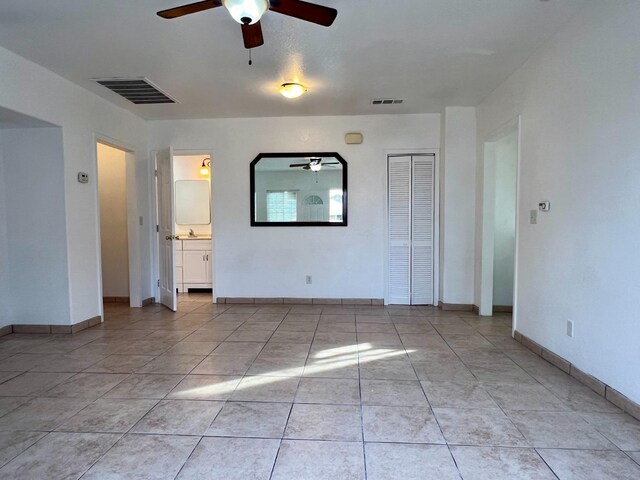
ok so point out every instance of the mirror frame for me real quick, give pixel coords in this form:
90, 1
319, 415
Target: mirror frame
252, 190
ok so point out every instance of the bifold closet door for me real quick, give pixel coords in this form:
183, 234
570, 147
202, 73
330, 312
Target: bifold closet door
400, 230
422, 190
411, 216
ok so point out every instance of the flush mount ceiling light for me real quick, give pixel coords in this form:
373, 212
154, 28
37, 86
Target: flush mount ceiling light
246, 12
292, 90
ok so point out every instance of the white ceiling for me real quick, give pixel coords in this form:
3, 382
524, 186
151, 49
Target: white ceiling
430, 52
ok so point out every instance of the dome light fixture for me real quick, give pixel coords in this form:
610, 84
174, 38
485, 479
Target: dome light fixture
292, 90
246, 12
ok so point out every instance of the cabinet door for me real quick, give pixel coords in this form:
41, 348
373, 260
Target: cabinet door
195, 266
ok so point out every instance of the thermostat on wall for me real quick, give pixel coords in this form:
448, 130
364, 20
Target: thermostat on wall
353, 138
83, 177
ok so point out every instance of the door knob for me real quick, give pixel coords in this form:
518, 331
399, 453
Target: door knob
168, 237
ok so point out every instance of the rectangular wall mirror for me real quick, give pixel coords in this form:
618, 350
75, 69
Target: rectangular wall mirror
298, 189
192, 202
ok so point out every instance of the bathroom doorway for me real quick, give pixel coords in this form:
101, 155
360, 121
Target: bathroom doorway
185, 238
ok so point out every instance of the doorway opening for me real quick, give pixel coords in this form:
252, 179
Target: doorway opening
116, 267
185, 238
499, 225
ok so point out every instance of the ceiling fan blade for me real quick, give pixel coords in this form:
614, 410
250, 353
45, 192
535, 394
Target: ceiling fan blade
296, 165
307, 167
252, 35
309, 12
191, 8
330, 163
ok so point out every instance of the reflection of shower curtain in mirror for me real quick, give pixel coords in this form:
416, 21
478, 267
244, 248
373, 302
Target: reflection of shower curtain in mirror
313, 210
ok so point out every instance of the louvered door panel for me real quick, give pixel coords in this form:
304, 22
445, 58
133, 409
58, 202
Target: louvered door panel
400, 230
422, 197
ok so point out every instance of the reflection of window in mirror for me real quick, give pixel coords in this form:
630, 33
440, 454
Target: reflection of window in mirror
335, 205
282, 206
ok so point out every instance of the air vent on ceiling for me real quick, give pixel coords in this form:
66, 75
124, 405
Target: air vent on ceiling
137, 90
386, 101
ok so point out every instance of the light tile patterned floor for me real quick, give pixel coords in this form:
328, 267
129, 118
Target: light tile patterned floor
300, 393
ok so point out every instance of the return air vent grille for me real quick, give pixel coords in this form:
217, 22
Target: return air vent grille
387, 101
136, 90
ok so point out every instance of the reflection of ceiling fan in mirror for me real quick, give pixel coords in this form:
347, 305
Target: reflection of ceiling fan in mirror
315, 164
248, 13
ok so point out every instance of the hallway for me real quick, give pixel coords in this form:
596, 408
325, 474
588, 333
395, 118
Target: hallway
300, 392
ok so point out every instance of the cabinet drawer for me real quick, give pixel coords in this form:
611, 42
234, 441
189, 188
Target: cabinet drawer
196, 244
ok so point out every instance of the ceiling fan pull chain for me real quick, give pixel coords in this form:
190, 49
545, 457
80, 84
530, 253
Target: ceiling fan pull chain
250, 61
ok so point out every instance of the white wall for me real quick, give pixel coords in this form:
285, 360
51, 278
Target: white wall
32, 90
4, 252
504, 235
187, 167
112, 186
579, 98
273, 261
36, 268
457, 201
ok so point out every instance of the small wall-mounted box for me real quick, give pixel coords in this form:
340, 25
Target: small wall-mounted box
544, 206
353, 138
83, 177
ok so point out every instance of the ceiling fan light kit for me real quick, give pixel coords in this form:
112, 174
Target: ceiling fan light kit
246, 12
292, 90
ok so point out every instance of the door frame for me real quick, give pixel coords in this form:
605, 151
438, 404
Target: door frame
153, 200
398, 152
133, 220
488, 220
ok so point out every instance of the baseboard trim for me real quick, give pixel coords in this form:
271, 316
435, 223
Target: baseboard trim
456, 307
51, 329
503, 308
618, 399
115, 300
301, 301
148, 301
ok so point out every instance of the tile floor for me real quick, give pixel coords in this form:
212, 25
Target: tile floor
300, 393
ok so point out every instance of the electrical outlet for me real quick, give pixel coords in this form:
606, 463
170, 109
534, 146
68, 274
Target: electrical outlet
309, 280
569, 328
533, 217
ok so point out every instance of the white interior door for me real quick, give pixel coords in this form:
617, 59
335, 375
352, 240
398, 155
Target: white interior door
400, 230
166, 229
422, 214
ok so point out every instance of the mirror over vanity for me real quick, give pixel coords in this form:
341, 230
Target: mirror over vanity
193, 203
298, 189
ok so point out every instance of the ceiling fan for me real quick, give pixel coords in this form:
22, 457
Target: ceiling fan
248, 14
315, 164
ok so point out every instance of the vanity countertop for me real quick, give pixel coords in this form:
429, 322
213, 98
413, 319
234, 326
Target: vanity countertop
197, 237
